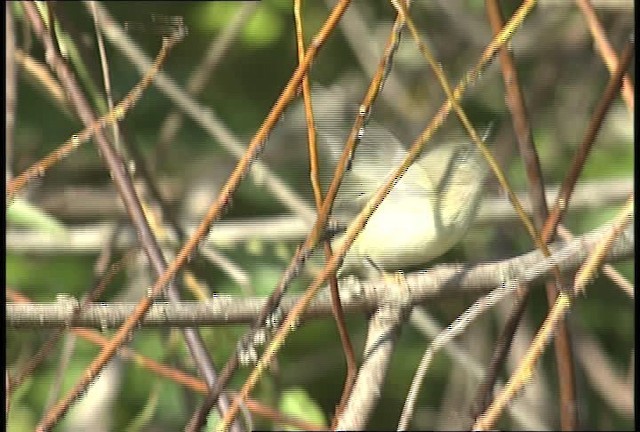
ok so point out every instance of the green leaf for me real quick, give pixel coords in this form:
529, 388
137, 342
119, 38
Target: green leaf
296, 402
263, 28
212, 421
23, 213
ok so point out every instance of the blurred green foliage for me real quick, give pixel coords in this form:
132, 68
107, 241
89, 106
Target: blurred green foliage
551, 49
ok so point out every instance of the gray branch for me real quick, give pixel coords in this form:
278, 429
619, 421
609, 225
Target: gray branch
438, 281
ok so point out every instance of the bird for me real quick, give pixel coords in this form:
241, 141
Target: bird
427, 211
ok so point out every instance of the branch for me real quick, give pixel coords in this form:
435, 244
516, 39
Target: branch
433, 283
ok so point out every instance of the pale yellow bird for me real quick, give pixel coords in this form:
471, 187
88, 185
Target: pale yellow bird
426, 213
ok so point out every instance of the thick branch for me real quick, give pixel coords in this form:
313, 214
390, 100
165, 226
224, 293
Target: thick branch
438, 281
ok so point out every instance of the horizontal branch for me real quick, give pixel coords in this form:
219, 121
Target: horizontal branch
227, 233
438, 281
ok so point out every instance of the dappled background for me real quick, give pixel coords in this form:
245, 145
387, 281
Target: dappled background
189, 159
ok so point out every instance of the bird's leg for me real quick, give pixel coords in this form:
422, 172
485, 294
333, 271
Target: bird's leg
396, 280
